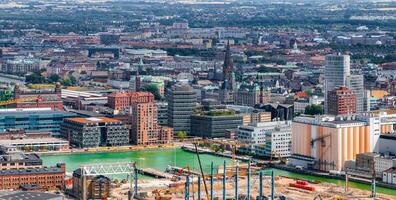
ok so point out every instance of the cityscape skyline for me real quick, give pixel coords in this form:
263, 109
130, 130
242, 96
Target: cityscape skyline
193, 99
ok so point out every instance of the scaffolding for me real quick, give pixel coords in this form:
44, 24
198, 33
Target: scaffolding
236, 176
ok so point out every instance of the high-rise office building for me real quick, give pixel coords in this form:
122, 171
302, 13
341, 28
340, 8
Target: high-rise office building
341, 101
356, 84
337, 70
338, 73
181, 101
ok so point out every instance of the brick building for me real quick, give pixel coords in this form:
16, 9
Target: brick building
122, 100
119, 100
20, 170
45, 178
341, 101
38, 99
144, 121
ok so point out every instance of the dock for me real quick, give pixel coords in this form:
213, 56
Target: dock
155, 173
207, 151
178, 169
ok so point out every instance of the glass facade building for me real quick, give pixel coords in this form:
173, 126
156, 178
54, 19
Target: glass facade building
32, 119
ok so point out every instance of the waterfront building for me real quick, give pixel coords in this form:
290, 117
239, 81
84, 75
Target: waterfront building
181, 103
19, 170
32, 119
215, 123
266, 138
37, 144
326, 142
341, 101
44, 178
277, 141
94, 132
144, 121
43, 98
214, 119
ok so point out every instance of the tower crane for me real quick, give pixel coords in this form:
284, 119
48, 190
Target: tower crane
321, 139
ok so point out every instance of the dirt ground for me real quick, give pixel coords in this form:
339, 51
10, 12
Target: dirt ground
282, 188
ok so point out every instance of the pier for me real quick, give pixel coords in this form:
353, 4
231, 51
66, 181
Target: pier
184, 170
155, 173
207, 151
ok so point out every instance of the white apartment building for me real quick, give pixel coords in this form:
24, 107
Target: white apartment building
266, 138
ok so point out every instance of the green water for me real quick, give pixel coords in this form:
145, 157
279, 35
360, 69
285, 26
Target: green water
160, 159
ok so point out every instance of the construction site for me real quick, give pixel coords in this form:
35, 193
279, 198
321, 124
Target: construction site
253, 183
233, 180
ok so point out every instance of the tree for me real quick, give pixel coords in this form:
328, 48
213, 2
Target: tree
35, 78
181, 135
153, 89
73, 80
66, 82
314, 110
53, 78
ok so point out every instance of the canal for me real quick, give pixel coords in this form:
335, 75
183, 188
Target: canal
160, 159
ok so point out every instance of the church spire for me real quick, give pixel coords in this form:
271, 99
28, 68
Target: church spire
228, 69
227, 60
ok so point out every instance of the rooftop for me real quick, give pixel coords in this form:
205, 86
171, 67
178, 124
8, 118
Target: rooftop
388, 136
92, 120
30, 111
56, 169
33, 141
16, 195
